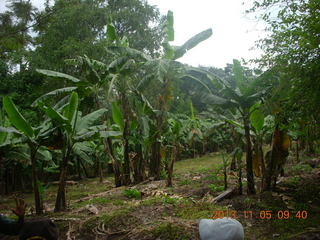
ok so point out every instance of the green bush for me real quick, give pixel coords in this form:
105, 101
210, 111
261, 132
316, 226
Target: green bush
215, 188
132, 193
169, 200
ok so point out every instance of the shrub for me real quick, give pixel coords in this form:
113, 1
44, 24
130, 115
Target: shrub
132, 193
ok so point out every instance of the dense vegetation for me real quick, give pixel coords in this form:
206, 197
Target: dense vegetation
94, 87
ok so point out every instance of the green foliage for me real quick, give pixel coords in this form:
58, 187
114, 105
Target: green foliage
117, 115
300, 168
170, 200
171, 232
16, 118
132, 193
257, 117
214, 188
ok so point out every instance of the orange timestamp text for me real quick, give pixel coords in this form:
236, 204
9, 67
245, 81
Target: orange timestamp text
262, 214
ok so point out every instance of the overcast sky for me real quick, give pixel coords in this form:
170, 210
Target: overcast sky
233, 32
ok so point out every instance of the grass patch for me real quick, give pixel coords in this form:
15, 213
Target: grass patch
185, 182
132, 193
152, 201
97, 201
170, 231
205, 164
190, 210
214, 188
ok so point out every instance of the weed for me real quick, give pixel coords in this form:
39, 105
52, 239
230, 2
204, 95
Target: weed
190, 210
300, 168
294, 180
170, 231
215, 188
132, 193
213, 177
185, 182
170, 200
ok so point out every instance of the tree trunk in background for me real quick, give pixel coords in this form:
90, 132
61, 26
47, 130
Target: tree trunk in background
250, 178
61, 203
272, 158
100, 171
37, 199
126, 133
79, 169
155, 163
233, 165
126, 170
142, 163
2, 180
6, 184
84, 168
170, 166
297, 150
115, 163
240, 179
263, 165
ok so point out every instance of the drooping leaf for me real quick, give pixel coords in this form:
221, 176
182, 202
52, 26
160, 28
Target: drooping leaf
111, 33
54, 115
54, 93
87, 136
57, 74
145, 127
43, 154
87, 121
239, 76
193, 117
16, 117
117, 115
71, 109
106, 134
257, 162
192, 42
256, 117
169, 30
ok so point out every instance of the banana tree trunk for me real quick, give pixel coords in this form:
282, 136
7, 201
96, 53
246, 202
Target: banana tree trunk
61, 203
126, 166
156, 160
115, 163
37, 198
126, 170
170, 167
2, 180
249, 164
142, 162
100, 171
79, 169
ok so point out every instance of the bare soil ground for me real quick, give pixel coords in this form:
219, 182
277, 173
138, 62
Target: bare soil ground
100, 211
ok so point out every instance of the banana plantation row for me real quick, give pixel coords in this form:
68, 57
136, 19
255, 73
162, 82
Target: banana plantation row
120, 114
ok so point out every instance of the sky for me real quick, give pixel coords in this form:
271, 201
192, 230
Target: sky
234, 33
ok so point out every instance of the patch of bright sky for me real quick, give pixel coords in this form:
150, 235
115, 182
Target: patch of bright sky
234, 34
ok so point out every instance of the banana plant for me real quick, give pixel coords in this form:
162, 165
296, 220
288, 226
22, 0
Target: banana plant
240, 95
33, 137
173, 135
73, 128
164, 70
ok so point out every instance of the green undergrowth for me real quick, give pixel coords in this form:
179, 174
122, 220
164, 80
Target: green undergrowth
115, 219
170, 231
95, 201
196, 210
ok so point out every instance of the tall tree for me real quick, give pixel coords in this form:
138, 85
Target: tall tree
15, 32
292, 52
74, 28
